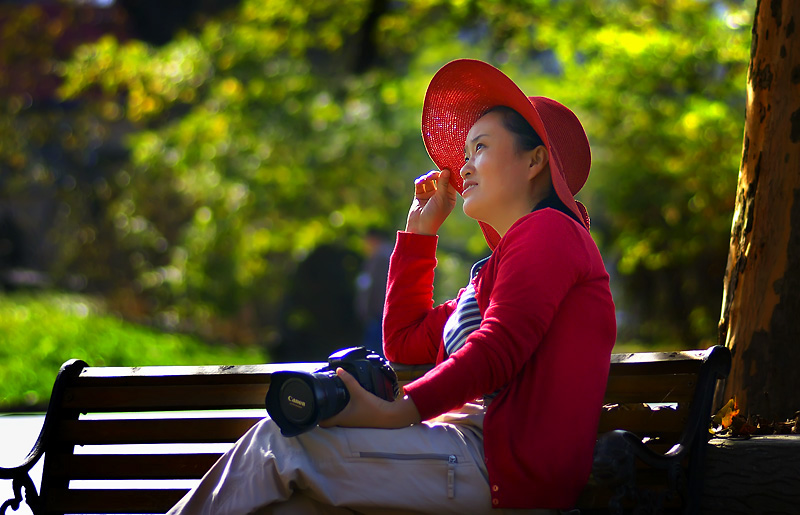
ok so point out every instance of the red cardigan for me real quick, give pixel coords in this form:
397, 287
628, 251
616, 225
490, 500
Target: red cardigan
545, 342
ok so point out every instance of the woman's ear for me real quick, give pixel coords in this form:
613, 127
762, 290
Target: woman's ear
540, 158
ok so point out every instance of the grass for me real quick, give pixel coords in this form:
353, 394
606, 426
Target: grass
38, 333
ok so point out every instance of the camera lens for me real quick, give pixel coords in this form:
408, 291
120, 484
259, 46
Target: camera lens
297, 401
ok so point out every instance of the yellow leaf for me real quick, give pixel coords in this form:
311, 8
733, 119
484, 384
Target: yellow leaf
724, 416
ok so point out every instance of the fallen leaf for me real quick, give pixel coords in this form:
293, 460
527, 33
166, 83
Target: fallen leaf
724, 416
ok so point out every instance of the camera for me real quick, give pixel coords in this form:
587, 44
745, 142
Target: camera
297, 401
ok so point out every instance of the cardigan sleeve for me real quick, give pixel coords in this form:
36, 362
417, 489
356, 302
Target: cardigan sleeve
519, 293
412, 326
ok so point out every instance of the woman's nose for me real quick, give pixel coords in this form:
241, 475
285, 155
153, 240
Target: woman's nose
466, 170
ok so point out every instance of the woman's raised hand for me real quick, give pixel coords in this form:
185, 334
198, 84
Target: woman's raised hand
434, 200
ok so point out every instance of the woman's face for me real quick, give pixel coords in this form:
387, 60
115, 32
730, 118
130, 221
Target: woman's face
498, 178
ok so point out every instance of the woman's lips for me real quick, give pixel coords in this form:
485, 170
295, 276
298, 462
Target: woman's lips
468, 185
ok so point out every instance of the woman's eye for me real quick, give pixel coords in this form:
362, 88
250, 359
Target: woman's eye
477, 147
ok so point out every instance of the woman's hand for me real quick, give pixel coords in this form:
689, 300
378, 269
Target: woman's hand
434, 200
368, 410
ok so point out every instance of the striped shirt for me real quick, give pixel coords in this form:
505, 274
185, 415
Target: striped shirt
466, 317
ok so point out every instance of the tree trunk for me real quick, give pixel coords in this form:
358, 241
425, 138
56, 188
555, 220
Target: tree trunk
760, 320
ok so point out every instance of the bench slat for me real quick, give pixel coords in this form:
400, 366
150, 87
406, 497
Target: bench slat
133, 466
621, 388
143, 431
679, 361
156, 398
650, 388
187, 375
113, 501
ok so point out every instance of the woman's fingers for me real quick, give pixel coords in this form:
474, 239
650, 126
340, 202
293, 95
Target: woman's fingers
443, 183
359, 410
350, 382
434, 199
425, 186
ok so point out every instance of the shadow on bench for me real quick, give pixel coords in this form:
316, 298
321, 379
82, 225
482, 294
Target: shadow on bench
215, 405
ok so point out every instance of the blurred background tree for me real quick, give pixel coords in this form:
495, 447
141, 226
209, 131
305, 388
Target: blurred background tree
184, 164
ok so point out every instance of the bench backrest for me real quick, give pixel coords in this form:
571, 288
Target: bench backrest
178, 405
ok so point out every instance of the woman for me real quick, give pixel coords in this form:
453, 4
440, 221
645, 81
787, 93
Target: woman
508, 417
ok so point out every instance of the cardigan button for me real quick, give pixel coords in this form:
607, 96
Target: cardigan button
495, 488
495, 502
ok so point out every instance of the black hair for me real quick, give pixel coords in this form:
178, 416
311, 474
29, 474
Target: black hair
526, 138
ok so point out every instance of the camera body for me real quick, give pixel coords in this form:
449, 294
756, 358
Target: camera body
298, 401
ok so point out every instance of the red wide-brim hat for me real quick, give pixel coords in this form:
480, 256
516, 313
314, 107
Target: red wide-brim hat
463, 90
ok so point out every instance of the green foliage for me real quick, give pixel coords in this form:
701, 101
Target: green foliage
666, 128
279, 126
270, 160
38, 333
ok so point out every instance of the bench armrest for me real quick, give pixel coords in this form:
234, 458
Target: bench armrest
20, 475
616, 451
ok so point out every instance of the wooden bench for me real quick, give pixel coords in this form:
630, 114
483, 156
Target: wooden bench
181, 405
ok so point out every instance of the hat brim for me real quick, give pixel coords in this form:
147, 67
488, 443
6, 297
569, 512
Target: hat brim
463, 90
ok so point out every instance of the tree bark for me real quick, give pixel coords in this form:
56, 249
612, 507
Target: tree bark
760, 319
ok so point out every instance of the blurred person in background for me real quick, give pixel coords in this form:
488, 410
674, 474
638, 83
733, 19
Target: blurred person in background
371, 287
